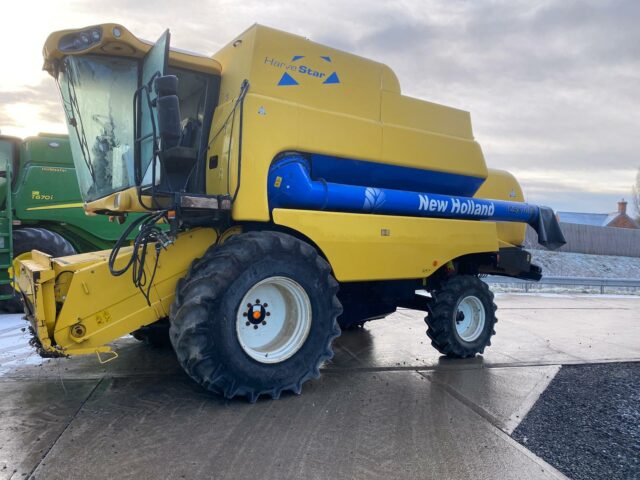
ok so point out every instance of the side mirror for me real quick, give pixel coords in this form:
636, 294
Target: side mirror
166, 85
168, 110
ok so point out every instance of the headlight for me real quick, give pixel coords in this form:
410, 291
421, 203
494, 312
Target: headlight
76, 41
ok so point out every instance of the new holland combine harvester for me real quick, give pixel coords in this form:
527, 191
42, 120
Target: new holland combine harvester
302, 192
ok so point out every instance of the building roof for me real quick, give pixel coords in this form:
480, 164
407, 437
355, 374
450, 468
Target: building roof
595, 219
615, 219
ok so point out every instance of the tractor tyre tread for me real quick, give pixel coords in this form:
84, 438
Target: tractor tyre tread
441, 319
200, 304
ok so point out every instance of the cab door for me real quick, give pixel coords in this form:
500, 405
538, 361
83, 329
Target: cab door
154, 65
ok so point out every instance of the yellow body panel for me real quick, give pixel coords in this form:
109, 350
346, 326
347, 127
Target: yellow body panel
363, 117
381, 247
35, 281
105, 307
123, 201
501, 185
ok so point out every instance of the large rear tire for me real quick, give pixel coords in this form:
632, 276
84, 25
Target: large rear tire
462, 317
256, 315
25, 240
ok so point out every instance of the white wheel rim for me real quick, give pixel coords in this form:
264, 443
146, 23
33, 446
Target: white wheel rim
470, 318
273, 320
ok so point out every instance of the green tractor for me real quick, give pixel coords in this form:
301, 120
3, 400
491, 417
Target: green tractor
41, 208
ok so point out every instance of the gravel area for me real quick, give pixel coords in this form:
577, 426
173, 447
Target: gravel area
587, 422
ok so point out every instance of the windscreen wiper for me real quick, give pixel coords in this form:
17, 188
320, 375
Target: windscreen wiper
74, 117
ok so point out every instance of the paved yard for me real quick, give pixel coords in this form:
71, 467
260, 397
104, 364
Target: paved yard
387, 406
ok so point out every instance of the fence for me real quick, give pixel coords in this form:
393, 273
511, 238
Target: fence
568, 281
594, 240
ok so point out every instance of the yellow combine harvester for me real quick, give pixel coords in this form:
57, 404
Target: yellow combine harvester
302, 192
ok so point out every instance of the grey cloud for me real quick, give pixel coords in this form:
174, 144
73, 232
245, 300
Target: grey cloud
44, 95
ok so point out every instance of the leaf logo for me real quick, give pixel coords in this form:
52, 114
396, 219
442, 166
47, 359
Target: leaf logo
374, 198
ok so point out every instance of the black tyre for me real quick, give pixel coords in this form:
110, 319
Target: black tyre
25, 240
154, 335
256, 315
462, 317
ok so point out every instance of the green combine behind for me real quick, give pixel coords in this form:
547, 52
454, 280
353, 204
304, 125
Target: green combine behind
41, 208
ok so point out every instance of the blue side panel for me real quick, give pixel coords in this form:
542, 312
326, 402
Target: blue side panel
378, 175
291, 186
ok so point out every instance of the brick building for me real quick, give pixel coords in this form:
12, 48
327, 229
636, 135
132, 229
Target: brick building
618, 219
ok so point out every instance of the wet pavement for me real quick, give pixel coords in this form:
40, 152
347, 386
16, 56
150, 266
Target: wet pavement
386, 406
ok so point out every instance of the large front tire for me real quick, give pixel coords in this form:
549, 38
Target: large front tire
462, 317
256, 315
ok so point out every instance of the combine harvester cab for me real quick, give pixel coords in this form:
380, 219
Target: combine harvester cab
303, 193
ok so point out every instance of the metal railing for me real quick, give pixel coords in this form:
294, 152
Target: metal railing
567, 281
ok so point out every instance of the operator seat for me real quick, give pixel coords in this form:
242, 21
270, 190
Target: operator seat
179, 161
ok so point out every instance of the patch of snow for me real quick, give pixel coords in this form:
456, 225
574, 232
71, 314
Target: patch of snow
567, 264
15, 350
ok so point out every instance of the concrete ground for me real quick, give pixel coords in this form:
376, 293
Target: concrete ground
387, 406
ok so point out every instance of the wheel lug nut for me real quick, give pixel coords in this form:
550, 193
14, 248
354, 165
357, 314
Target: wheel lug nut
248, 323
244, 314
249, 305
265, 305
255, 327
264, 323
257, 300
268, 314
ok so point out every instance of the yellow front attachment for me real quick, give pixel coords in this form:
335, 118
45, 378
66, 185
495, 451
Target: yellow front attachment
77, 306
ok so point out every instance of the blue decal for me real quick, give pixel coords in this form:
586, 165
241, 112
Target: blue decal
287, 80
333, 78
295, 72
373, 199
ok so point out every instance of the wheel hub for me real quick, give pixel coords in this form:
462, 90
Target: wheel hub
256, 314
470, 318
273, 319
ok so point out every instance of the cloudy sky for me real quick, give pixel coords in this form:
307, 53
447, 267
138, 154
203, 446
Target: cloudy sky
553, 86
